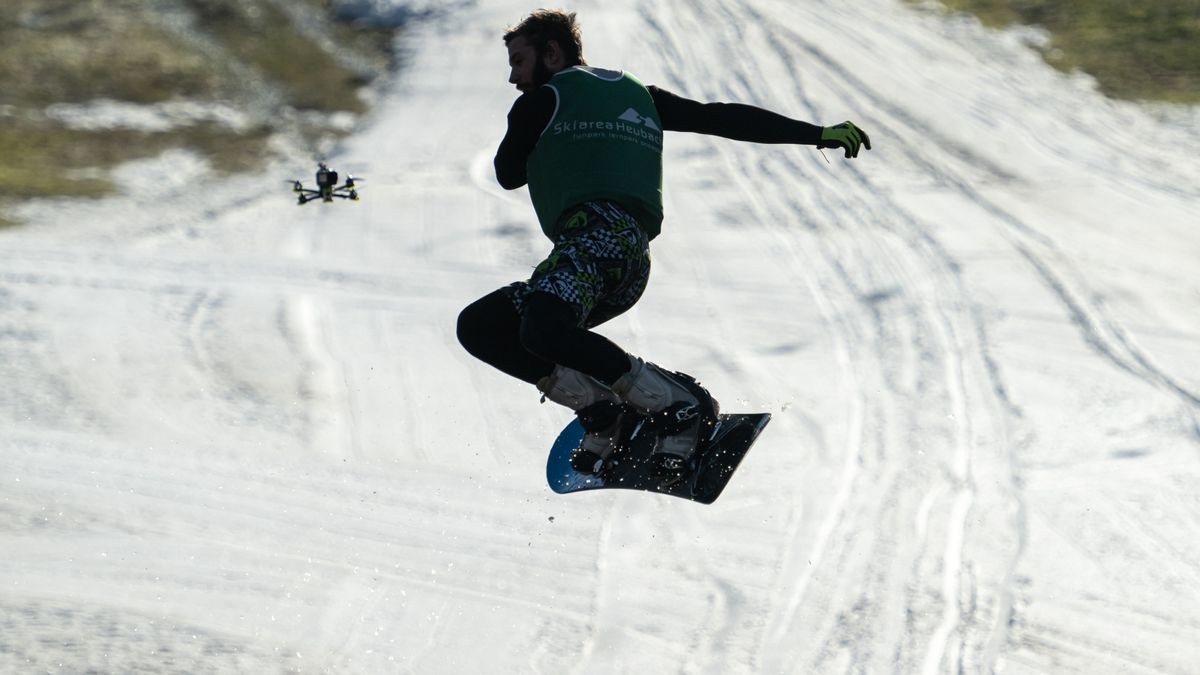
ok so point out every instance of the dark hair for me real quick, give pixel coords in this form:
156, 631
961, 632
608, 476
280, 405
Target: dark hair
544, 25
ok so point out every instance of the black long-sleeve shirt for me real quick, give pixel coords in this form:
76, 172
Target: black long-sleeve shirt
532, 111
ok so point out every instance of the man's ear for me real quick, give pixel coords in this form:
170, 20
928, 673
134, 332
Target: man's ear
553, 55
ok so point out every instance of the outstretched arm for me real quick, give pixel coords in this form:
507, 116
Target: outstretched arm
742, 122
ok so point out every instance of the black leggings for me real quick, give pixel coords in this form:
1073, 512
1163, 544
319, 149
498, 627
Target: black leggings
528, 345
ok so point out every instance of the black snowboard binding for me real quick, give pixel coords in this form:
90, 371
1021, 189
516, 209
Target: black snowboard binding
696, 420
605, 418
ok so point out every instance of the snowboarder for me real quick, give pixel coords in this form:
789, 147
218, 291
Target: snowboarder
588, 143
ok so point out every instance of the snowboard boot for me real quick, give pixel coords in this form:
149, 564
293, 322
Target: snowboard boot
599, 411
677, 405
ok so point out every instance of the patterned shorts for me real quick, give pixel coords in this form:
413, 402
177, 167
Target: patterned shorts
600, 264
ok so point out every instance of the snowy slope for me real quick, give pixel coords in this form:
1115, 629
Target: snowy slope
240, 436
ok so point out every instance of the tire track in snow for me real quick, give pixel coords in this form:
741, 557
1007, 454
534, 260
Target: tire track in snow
797, 567
332, 421
1097, 327
1099, 330
953, 350
841, 338
1105, 334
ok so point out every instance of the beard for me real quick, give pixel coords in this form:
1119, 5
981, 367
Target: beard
541, 74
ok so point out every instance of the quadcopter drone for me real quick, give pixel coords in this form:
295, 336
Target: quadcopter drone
327, 187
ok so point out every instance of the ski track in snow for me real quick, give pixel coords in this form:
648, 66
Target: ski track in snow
241, 436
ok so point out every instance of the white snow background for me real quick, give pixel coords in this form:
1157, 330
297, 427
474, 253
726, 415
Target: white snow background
240, 436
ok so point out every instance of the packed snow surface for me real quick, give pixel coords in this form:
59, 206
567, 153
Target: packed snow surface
240, 435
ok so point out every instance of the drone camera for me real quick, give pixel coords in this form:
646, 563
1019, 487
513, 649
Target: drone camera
326, 178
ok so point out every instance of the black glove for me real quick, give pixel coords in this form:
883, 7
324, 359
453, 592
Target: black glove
845, 136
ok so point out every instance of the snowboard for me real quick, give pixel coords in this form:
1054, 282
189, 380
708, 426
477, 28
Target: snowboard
709, 470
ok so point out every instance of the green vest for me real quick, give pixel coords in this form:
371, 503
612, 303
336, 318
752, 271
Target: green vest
604, 142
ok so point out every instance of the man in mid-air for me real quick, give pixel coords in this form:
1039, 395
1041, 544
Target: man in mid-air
588, 143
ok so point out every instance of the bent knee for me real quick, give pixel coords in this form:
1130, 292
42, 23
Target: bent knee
468, 327
481, 321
